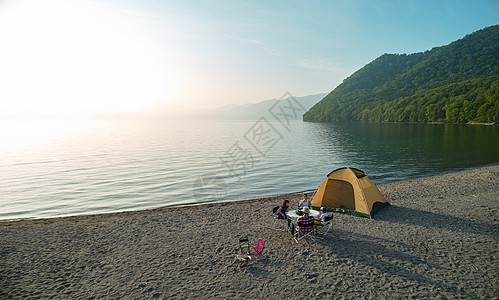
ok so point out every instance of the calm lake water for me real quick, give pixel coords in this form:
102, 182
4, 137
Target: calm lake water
53, 168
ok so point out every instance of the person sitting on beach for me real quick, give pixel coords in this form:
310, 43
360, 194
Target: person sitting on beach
304, 222
281, 212
321, 219
304, 202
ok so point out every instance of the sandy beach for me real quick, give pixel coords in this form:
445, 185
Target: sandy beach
438, 239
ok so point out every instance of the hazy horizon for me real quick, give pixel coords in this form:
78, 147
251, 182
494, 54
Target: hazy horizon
63, 59
169, 111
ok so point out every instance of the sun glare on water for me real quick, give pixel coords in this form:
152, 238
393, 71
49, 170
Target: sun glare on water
65, 59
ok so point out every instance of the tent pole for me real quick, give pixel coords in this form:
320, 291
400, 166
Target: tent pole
314, 193
363, 195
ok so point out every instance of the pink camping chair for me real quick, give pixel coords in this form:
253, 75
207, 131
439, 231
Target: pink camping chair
260, 247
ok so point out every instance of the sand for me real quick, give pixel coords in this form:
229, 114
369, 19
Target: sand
438, 239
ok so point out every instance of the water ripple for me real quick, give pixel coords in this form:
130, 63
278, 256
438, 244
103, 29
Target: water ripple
135, 165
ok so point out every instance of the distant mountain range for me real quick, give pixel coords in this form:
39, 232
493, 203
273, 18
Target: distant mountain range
456, 83
254, 111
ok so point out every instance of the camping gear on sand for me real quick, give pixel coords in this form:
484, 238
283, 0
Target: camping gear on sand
349, 190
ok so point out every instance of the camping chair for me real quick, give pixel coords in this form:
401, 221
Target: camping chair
259, 248
244, 247
303, 230
244, 250
326, 226
279, 224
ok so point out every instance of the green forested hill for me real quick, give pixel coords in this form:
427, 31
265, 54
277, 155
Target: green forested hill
456, 83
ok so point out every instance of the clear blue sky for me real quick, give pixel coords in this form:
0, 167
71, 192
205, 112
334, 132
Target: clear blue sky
127, 56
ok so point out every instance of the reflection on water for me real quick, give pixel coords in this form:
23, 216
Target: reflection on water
54, 169
397, 151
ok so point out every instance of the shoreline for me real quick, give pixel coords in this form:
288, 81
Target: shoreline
225, 202
437, 239
430, 123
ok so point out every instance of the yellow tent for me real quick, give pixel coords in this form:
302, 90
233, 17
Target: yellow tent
349, 190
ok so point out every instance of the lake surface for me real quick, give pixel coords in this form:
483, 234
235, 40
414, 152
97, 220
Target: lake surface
56, 168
